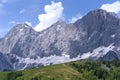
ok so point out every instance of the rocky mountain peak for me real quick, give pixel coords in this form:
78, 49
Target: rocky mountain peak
15, 39
102, 13
93, 36
20, 29
22, 26
60, 22
97, 11
99, 21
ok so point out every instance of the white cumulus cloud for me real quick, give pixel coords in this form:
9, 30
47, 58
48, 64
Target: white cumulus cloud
114, 7
53, 13
75, 18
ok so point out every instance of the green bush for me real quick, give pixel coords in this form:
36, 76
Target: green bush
13, 75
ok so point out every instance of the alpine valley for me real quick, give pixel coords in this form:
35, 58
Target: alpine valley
96, 36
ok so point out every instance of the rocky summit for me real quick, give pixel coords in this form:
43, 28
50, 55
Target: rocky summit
96, 36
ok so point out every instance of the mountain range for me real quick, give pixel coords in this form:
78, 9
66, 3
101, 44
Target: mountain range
95, 36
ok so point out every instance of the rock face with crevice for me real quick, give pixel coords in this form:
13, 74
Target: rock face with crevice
95, 36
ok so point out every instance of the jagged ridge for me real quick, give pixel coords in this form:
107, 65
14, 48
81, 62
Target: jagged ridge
93, 36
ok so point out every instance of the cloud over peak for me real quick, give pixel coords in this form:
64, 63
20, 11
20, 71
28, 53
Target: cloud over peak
114, 7
53, 12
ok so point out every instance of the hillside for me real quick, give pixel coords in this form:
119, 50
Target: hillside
78, 70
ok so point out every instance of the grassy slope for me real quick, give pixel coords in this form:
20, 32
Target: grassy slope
78, 70
58, 72
3, 75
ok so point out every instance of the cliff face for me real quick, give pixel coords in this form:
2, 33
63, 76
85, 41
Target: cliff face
4, 63
95, 36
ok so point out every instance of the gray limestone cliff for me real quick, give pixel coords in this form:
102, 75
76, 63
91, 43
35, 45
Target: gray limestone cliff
97, 33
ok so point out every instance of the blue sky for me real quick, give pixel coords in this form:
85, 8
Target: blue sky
19, 11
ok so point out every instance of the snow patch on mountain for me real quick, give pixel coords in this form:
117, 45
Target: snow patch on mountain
113, 35
53, 59
98, 52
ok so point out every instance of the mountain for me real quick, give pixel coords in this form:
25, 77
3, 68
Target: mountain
4, 64
110, 56
96, 36
0, 39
